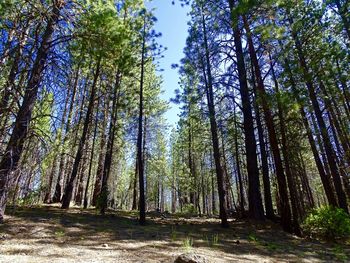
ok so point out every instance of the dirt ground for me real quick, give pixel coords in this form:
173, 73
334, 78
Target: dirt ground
49, 234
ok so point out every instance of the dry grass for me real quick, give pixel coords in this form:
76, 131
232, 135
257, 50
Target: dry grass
49, 234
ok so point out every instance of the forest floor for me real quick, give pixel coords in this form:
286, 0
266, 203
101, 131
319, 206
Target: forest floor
49, 234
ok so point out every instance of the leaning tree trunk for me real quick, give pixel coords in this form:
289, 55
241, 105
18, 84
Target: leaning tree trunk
286, 219
321, 124
19, 134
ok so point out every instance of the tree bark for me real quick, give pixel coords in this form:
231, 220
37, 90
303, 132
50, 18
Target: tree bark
286, 220
322, 126
214, 130
110, 146
256, 209
69, 187
19, 134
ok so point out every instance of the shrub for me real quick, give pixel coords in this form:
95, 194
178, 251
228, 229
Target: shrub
189, 209
327, 222
102, 199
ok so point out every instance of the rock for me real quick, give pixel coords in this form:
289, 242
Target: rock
105, 245
236, 241
3, 236
190, 258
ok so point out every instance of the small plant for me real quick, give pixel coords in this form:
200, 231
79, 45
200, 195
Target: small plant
339, 253
215, 240
173, 234
31, 198
130, 233
327, 222
102, 199
252, 237
189, 209
272, 246
59, 233
187, 243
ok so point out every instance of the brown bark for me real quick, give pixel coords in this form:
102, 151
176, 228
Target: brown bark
19, 134
214, 130
326, 182
322, 125
69, 187
110, 146
286, 151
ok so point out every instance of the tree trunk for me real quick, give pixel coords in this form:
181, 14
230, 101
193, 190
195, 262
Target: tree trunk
91, 157
214, 130
286, 152
101, 158
58, 188
14, 148
286, 220
140, 160
110, 146
326, 182
69, 187
263, 155
322, 126
256, 209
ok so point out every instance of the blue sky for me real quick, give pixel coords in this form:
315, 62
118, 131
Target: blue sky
172, 23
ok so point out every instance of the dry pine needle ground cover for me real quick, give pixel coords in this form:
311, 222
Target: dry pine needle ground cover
49, 234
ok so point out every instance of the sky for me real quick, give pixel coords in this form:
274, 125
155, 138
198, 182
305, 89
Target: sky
172, 23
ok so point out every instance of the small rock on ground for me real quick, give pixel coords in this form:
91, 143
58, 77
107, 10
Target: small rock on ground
190, 258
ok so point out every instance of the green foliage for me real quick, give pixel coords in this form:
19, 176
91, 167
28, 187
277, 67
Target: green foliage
60, 233
29, 199
189, 209
187, 243
215, 240
173, 234
339, 253
327, 222
102, 199
252, 237
42, 116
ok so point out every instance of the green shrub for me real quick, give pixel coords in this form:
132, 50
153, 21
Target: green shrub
102, 199
31, 198
189, 209
327, 222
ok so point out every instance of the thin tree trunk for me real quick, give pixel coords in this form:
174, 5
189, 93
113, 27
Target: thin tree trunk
101, 158
322, 126
286, 152
110, 146
263, 155
91, 156
19, 134
214, 130
69, 187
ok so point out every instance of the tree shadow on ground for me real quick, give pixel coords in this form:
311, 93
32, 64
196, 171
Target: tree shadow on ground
48, 224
